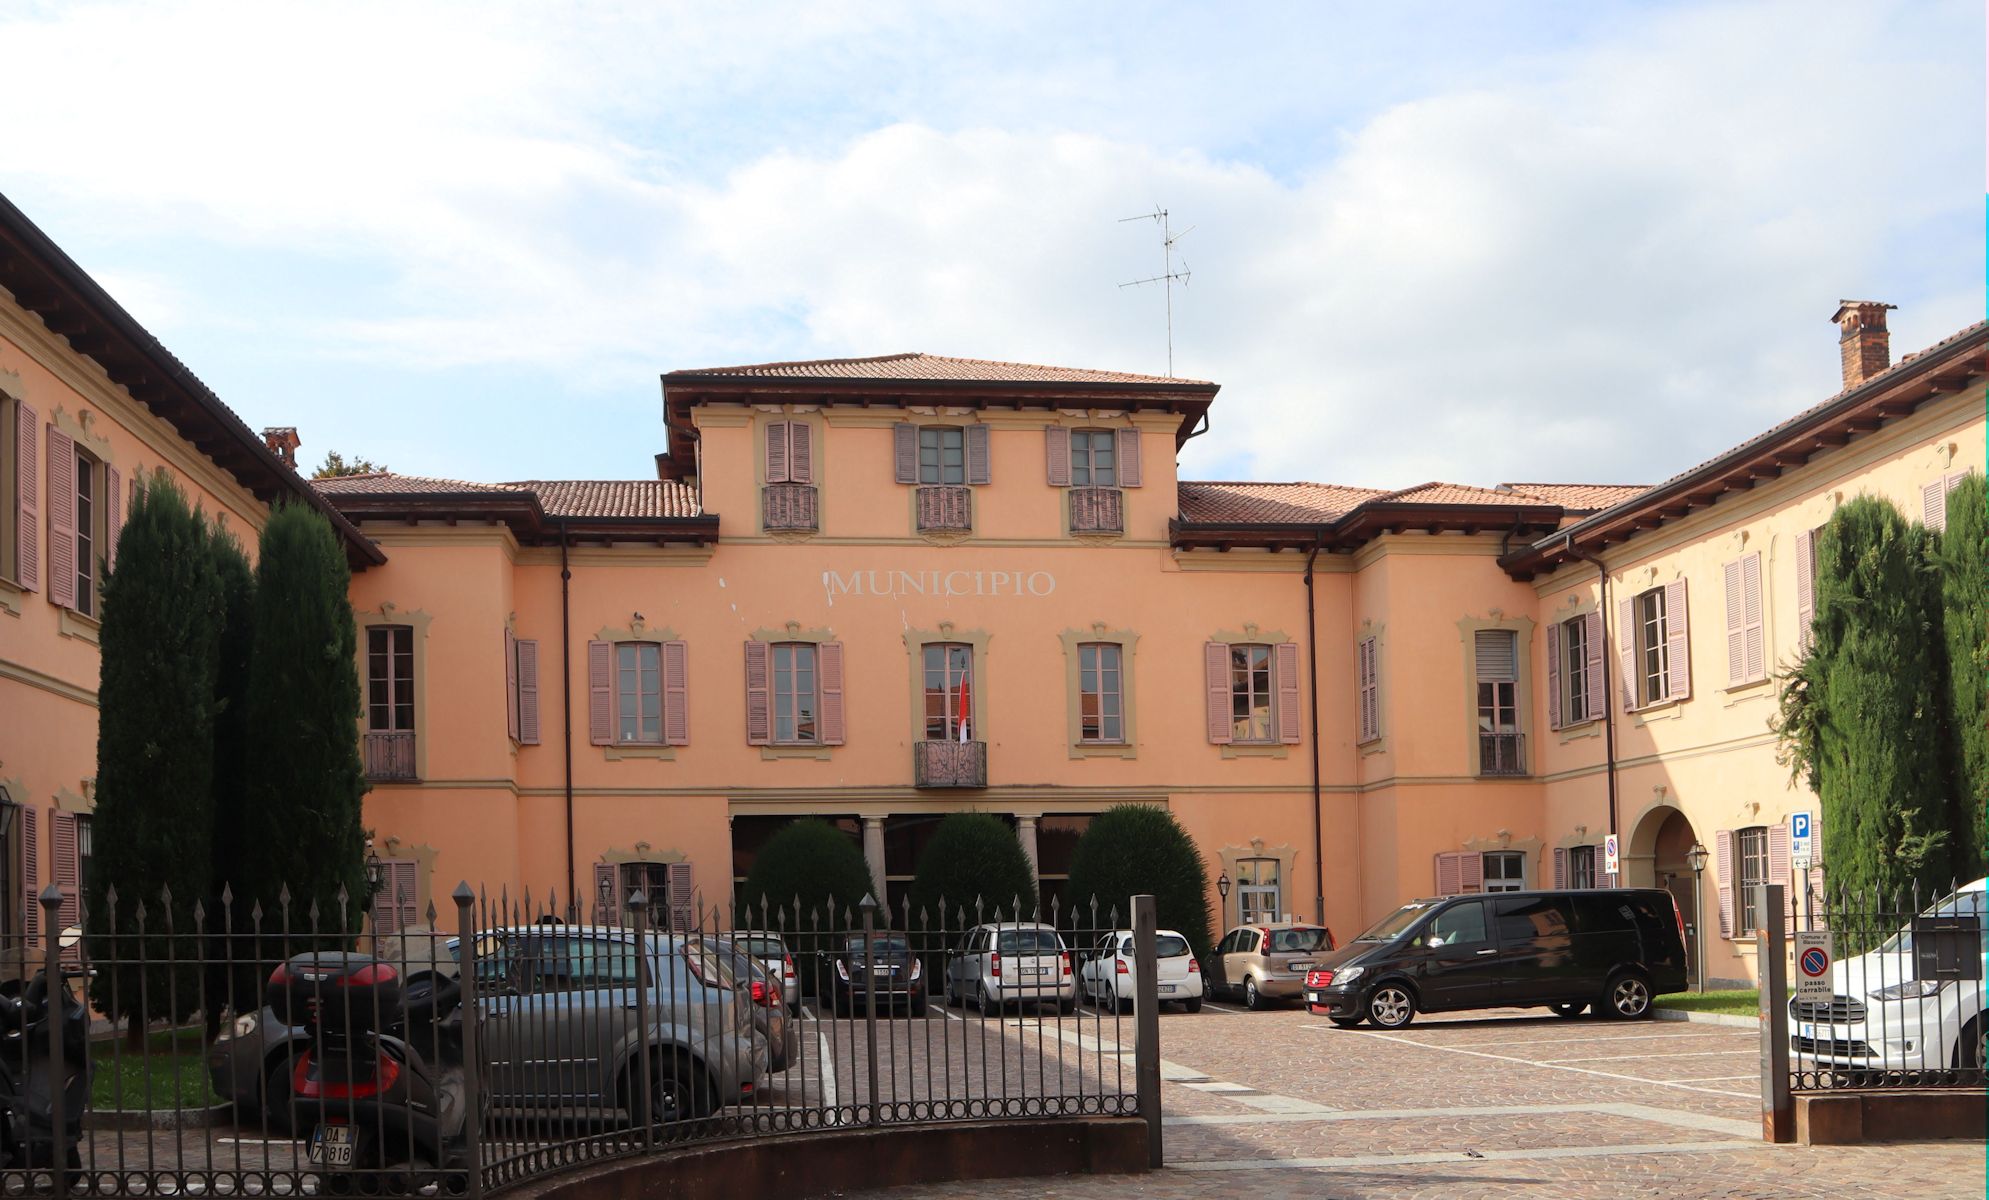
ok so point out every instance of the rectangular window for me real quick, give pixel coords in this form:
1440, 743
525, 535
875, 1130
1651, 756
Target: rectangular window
639, 691
1581, 867
1100, 702
1653, 652
942, 455
796, 699
1368, 654
1250, 694
86, 488
1752, 845
1504, 870
949, 702
1091, 458
1497, 660
10, 489
1574, 671
390, 679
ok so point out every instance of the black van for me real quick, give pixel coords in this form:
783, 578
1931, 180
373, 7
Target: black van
1613, 948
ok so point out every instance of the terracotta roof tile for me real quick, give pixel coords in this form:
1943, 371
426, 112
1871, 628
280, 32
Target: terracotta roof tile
1579, 497
1287, 503
916, 366
1457, 493
613, 497
387, 483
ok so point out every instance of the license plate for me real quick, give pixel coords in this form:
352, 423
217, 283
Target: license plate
331, 1146
1301, 966
1806, 1030
1312, 998
1035, 970
1167, 989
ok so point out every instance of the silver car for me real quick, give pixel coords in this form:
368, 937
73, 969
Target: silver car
559, 1028
1011, 962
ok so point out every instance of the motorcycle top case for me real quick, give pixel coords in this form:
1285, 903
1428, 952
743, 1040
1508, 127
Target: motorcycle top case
336, 989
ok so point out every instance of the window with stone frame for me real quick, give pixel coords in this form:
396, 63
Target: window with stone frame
1653, 658
796, 694
1101, 700
1251, 694
1094, 458
639, 693
948, 669
942, 454
1574, 682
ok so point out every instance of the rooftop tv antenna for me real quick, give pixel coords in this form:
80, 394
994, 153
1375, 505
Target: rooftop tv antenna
1167, 274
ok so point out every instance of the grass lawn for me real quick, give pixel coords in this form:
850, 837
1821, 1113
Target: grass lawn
172, 1073
1745, 1003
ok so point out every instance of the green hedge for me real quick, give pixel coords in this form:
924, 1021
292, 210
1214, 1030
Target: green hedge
975, 866
1136, 848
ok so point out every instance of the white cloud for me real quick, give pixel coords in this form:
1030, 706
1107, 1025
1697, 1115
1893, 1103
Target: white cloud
1601, 261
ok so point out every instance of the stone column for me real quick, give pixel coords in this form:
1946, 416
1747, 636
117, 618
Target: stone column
873, 854
1025, 832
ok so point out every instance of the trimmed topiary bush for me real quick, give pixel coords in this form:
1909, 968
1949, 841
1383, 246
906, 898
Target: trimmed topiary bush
1134, 848
806, 883
972, 857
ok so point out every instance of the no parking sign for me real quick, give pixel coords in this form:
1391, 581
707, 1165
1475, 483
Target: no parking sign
1814, 954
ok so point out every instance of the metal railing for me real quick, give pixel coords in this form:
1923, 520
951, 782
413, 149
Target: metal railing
937, 763
536, 1037
1501, 754
945, 508
788, 506
388, 755
1096, 510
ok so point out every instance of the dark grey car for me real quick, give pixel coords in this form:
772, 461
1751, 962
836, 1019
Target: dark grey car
559, 1005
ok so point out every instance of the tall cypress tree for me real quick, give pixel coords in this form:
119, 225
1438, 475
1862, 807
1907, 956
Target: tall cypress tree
155, 752
234, 651
302, 783
1964, 562
1878, 710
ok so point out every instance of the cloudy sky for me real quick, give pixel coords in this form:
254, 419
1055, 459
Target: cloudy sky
1590, 241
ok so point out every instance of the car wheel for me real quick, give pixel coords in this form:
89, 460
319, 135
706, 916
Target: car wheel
1345, 1022
1628, 997
1066, 1007
676, 1093
1390, 1006
989, 1006
1252, 998
1972, 1051
918, 1004
277, 1114
1570, 1011
1194, 1005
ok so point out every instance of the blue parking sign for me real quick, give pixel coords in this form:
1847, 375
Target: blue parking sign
1800, 842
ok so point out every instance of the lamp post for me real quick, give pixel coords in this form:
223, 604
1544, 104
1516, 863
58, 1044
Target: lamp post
608, 898
374, 870
1696, 856
1222, 890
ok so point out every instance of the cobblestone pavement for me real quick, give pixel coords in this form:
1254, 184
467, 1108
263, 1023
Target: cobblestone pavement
1486, 1104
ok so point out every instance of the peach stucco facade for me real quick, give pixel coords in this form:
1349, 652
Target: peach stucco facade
1408, 731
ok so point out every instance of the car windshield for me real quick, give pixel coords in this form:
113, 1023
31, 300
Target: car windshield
765, 947
1295, 941
1170, 945
1029, 941
1395, 924
885, 946
1961, 904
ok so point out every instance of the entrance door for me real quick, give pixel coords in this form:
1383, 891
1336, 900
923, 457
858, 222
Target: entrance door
1258, 895
1680, 887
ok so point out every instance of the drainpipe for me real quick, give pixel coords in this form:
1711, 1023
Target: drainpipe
1608, 699
1312, 670
566, 710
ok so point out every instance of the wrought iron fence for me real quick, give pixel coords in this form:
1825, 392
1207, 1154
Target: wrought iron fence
1887, 991
223, 1048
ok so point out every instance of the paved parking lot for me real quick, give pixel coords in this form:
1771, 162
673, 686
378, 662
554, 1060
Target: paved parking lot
1514, 1102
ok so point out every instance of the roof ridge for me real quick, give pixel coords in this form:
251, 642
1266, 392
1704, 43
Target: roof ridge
900, 356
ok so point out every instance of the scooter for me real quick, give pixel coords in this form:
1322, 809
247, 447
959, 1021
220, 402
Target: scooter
380, 1085
30, 1076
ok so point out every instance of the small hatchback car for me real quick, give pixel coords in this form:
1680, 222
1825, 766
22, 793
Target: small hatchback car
1613, 948
1011, 963
1265, 963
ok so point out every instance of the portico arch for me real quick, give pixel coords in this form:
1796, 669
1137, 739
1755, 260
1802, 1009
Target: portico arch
1655, 855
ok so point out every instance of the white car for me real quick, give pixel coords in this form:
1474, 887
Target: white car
1107, 971
1881, 1016
1011, 962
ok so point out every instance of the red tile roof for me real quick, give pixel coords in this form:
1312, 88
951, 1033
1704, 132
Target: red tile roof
613, 497
1456, 493
1579, 497
913, 365
387, 483
1214, 502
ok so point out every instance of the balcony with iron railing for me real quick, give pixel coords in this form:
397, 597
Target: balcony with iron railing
945, 508
1501, 754
388, 755
788, 507
937, 764
1097, 510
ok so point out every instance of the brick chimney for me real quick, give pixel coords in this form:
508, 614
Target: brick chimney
1865, 345
283, 438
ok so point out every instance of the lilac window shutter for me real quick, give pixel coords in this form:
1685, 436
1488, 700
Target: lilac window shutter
776, 449
829, 659
1128, 445
1215, 667
1471, 872
30, 871
1678, 642
1778, 871
1560, 867
1723, 856
1754, 648
979, 468
1603, 876
800, 452
1626, 638
528, 691
27, 497
63, 865
61, 519
113, 516
1805, 587
510, 685
1736, 624
1596, 645
905, 451
682, 883
759, 719
600, 693
1056, 452
1934, 505
1554, 678
1448, 874
1286, 654
676, 693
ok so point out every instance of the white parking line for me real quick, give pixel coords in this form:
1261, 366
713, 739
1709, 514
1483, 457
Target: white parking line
1732, 1034
1458, 1158
1717, 1079
1621, 1057
827, 1074
1226, 1011
1531, 1062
